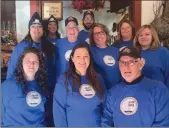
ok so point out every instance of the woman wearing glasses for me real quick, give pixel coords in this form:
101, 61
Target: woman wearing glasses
156, 56
104, 56
137, 101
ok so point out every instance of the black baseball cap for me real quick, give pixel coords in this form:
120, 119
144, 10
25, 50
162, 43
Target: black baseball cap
129, 51
88, 13
71, 18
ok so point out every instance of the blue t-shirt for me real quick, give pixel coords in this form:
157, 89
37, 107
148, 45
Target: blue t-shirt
52, 40
19, 109
83, 36
79, 107
123, 44
156, 64
141, 104
105, 63
64, 49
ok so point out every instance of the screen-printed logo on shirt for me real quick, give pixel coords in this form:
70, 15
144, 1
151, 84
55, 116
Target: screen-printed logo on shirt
87, 91
33, 98
67, 55
122, 48
109, 60
87, 40
129, 106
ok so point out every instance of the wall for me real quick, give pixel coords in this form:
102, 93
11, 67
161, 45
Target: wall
147, 13
101, 16
22, 18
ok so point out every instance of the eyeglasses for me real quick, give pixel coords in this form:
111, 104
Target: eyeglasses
99, 33
127, 63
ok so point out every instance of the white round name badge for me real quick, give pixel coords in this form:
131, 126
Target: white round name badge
109, 60
129, 106
67, 54
122, 48
33, 98
87, 91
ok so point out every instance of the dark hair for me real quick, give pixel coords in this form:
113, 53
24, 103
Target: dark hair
47, 48
104, 28
40, 76
132, 26
92, 76
57, 33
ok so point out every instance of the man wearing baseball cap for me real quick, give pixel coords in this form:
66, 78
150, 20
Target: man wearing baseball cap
137, 101
88, 21
65, 45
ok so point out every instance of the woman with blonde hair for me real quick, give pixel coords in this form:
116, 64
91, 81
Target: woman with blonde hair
156, 57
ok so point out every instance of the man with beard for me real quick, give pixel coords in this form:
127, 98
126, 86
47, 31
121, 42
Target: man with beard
88, 21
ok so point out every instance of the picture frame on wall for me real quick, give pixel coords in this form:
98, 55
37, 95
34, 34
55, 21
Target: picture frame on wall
54, 8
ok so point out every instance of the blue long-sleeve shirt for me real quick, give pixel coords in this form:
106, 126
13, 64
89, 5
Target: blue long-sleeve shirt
64, 49
105, 63
122, 44
83, 36
19, 109
156, 64
71, 109
50, 62
142, 104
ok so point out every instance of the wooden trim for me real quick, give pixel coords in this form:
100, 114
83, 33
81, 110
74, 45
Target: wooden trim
136, 17
34, 7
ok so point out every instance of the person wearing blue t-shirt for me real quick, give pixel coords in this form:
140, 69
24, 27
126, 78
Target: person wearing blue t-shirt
126, 34
52, 30
138, 101
36, 38
65, 45
104, 56
88, 21
24, 95
78, 94
156, 56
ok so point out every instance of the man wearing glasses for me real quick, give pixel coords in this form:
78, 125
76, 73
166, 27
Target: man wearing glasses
137, 101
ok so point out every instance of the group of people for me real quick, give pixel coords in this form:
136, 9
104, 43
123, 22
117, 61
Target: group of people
81, 80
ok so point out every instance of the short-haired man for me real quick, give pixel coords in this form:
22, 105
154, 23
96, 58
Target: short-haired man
88, 21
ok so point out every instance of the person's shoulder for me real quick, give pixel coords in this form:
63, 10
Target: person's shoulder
22, 44
154, 84
61, 78
81, 31
163, 50
112, 47
116, 88
9, 83
61, 41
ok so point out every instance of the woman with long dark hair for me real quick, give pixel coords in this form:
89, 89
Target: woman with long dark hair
78, 94
52, 30
24, 95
